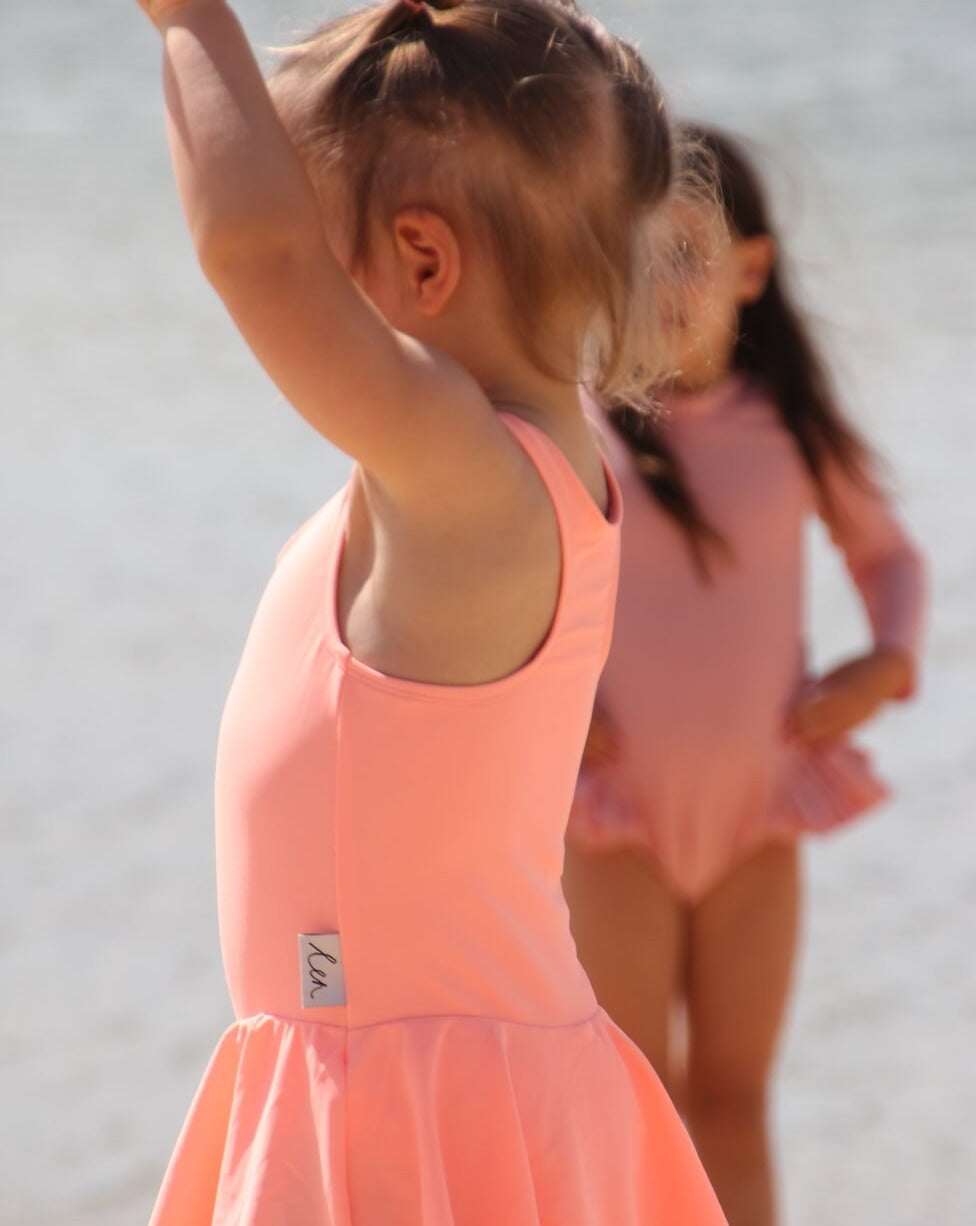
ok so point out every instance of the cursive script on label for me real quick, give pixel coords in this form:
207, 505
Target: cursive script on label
321, 970
318, 962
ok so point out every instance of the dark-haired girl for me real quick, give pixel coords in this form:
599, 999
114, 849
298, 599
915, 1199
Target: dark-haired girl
712, 750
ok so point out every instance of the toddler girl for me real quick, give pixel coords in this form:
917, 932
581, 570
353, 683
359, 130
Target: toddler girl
421, 231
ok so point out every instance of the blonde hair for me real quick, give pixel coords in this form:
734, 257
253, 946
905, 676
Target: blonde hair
522, 119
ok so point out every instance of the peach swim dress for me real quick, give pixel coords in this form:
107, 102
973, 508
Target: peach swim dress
416, 1043
700, 675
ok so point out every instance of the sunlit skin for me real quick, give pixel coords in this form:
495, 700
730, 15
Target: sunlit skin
451, 565
728, 959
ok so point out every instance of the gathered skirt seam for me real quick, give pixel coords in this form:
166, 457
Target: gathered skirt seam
343, 1028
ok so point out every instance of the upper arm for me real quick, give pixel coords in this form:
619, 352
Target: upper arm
405, 412
861, 519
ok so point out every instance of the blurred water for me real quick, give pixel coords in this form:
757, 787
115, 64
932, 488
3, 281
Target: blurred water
148, 473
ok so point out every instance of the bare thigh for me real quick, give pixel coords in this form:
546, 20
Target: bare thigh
629, 931
741, 953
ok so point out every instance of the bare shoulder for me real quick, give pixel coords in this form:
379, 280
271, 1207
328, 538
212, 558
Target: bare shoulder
457, 586
453, 454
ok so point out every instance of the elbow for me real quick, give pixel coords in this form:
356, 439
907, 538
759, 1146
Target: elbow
230, 249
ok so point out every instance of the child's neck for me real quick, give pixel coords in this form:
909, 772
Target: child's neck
511, 381
547, 403
696, 387
697, 384
706, 373
495, 356
555, 407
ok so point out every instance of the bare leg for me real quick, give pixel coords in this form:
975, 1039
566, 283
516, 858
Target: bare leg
629, 931
741, 954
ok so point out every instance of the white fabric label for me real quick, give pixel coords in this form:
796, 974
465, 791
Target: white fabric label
323, 982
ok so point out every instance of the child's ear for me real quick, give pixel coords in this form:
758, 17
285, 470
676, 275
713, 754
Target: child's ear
429, 256
757, 255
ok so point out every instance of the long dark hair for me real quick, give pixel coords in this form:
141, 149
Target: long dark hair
773, 347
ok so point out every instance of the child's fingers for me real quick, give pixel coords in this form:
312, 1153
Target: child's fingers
827, 712
806, 722
802, 716
159, 10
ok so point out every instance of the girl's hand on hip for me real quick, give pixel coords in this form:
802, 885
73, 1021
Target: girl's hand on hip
848, 696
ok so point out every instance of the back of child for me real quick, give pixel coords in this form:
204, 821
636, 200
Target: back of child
712, 751
415, 1040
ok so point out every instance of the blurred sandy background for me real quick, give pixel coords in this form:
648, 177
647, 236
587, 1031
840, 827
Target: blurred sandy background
148, 473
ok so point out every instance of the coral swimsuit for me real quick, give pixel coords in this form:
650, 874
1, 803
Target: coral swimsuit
416, 1043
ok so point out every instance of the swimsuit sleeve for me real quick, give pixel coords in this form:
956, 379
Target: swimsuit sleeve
885, 564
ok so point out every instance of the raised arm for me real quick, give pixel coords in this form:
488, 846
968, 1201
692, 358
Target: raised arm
259, 233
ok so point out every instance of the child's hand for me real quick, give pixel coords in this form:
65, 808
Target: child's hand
602, 743
159, 10
848, 696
